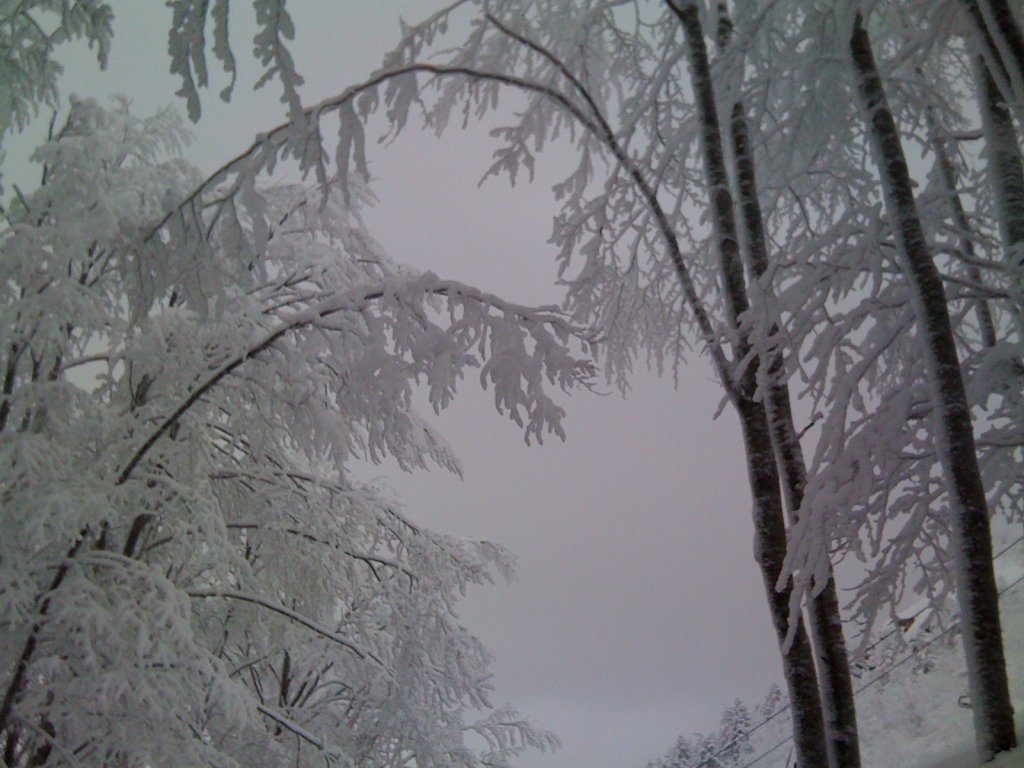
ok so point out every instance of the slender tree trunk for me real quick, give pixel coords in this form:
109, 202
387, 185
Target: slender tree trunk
763, 473
1005, 168
1002, 48
824, 617
770, 554
969, 518
965, 245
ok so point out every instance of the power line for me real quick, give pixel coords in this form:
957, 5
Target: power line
935, 639
785, 708
765, 754
913, 616
870, 682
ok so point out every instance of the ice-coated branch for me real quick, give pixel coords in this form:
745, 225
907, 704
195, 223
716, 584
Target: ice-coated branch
51, 742
603, 132
292, 726
298, 618
28, 649
266, 148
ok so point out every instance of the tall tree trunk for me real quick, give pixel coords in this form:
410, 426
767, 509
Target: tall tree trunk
763, 473
1005, 168
824, 617
1002, 48
969, 519
965, 244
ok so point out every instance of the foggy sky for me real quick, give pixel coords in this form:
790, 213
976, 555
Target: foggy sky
638, 614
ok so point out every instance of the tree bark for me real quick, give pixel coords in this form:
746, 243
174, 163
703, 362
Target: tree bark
824, 617
969, 518
965, 244
1005, 168
769, 519
770, 553
1002, 48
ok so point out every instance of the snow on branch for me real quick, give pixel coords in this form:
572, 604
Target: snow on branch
292, 615
503, 373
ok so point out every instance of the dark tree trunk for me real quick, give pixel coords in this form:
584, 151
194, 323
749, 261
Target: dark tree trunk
763, 473
969, 519
770, 553
1002, 47
824, 617
1005, 166
965, 244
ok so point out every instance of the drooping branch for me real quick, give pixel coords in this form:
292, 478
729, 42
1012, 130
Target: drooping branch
602, 130
278, 138
354, 300
275, 141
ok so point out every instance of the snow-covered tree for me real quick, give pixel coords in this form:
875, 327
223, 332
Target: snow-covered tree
879, 349
727, 747
954, 436
767, 430
830, 315
189, 575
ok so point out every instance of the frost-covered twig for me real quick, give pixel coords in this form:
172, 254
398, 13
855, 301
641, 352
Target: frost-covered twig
292, 726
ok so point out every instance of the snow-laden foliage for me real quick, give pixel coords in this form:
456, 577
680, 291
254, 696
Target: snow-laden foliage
228, 337
837, 312
561, 68
610, 78
188, 576
842, 316
30, 31
187, 42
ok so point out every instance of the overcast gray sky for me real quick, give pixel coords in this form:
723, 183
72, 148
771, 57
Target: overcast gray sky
638, 614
